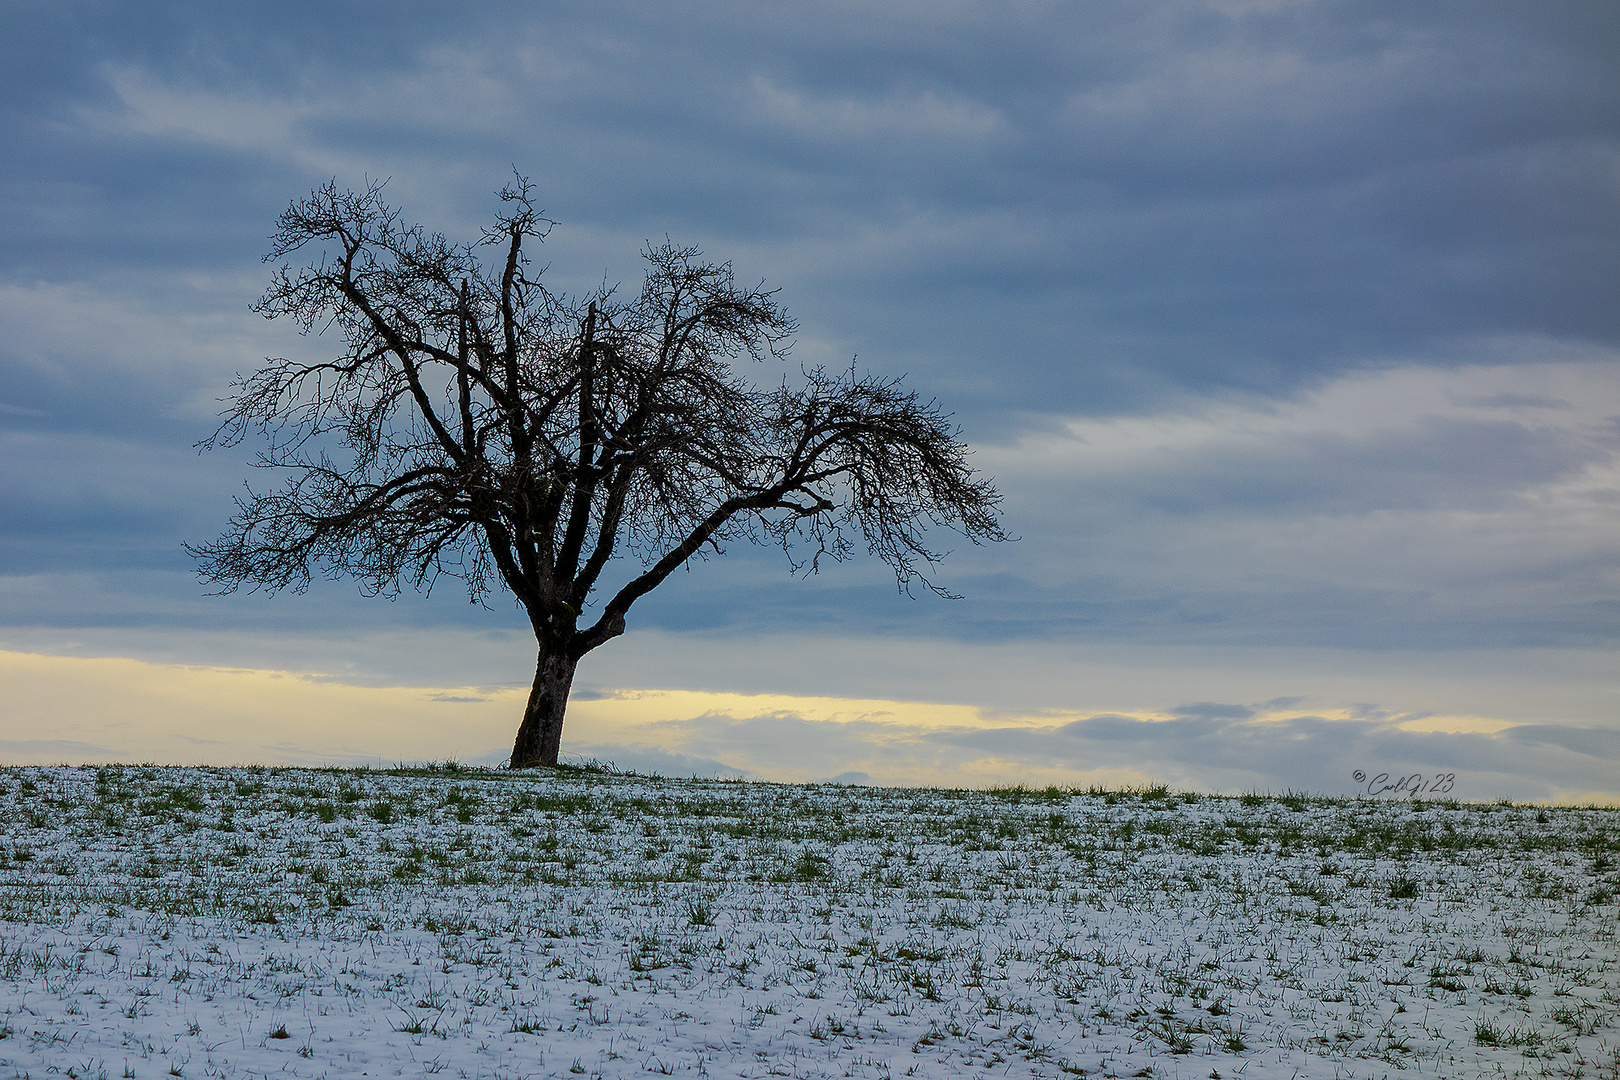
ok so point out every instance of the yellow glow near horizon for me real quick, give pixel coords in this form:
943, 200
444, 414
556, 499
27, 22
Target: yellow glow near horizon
73, 709
93, 710
1458, 725
132, 710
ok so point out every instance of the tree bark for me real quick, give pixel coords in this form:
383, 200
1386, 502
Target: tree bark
540, 735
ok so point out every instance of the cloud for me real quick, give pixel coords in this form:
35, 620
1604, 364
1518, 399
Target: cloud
114, 709
1177, 194
1383, 511
1203, 747
54, 750
1213, 710
1518, 402
1308, 752
1588, 742
906, 118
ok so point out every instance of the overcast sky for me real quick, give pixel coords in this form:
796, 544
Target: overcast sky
1289, 330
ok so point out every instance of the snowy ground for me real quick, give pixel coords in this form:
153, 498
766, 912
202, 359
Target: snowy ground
251, 922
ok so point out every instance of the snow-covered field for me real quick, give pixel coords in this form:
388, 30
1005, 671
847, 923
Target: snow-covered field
253, 922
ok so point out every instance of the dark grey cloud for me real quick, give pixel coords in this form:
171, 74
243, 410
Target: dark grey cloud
60, 749
1125, 198
1311, 753
818, 747
1519, 401
1589, 742
1447, 462
1227, 753
1213, 710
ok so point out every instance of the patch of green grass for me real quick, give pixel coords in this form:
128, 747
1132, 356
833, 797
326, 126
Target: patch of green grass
1402, 887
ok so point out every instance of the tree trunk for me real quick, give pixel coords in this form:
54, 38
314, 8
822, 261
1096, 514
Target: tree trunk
540, 735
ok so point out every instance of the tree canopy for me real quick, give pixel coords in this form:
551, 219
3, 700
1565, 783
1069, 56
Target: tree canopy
478, 424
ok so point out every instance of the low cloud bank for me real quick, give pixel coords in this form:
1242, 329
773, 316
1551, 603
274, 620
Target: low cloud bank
1208, 747
81, 710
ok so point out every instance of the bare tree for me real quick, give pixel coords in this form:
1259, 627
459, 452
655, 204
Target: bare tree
480, 425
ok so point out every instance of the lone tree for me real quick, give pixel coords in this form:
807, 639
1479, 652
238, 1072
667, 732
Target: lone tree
480, 425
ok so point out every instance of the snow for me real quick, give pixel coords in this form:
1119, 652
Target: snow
471, 923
